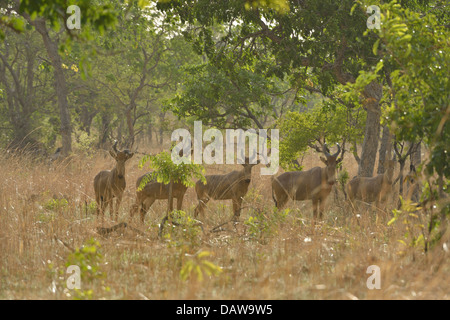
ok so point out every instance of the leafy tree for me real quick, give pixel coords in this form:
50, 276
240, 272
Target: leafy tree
40, 15
314, 45
239, 99
414, 52
167, 172
415, 49
325, 122
154, 53
20, 70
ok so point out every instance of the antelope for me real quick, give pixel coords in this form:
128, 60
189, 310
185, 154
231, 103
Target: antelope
56, 156
152, 191
374, 189
412, 184
110, 184
231, 186
314, 184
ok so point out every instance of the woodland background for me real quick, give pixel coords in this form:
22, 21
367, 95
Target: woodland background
137, 70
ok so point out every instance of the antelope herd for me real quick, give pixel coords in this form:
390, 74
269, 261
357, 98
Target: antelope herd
314, 184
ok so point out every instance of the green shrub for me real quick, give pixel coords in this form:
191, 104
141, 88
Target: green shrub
185, 231
196, 267
89, 259
56, 204
263, 225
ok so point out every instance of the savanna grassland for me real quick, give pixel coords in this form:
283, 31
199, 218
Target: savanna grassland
47, 212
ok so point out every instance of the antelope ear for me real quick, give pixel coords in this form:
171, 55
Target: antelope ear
339, 160
130, 155
112, 154
324, 160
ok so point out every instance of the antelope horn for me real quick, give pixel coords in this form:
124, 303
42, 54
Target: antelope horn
324, 148
115, 146
339, 150
329, 155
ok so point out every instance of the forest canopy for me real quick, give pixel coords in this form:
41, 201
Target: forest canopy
135, 69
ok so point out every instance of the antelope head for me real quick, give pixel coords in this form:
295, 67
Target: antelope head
121, 157
330, 161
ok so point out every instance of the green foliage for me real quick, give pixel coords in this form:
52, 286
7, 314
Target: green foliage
56, 204
281, 6
90, 208
297, 47
237, 97
148, 68
333, 123
89, 259
415, 50
263, 225
196, 266
16, 24
342, 178
353, 91
84, 143
187, 232
96, 14
410, 216
305, 36
165, 171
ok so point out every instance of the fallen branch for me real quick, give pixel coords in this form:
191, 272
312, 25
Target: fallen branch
219, 227
121, 226
64, 243
163, 222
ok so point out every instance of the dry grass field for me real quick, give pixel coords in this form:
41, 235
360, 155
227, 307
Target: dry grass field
47, 212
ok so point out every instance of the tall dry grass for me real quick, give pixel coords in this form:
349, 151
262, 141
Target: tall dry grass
47, 211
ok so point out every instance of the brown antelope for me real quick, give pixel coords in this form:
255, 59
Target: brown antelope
374, 189
314, 184
412, 184
56, 156
152, 191
110, 184
231, 186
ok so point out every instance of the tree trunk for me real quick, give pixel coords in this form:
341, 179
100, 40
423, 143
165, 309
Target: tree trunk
400, 176
169, 209
372, 94
130, 126
170, 205
385, 149
60, 84
416, 159
104, 129
119, 130
161, 127
85, 117
150, 134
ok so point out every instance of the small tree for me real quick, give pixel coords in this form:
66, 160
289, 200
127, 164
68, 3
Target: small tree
167, 172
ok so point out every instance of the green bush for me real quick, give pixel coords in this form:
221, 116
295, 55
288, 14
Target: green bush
184, 232
56, 204
263, 225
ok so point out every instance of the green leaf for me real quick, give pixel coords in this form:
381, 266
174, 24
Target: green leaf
375, 46
392, 221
